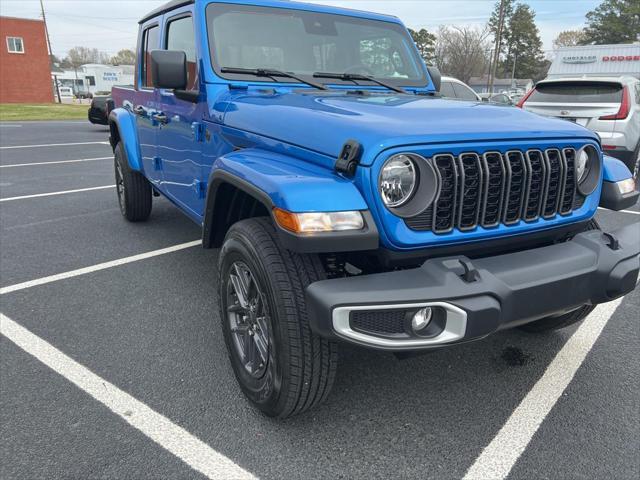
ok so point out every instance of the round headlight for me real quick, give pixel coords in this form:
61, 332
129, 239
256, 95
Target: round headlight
398, 180
582, 165
587, 169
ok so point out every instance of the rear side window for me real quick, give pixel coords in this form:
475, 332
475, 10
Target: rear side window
464, 93
150, 42
446, 89
181, 36
577, 92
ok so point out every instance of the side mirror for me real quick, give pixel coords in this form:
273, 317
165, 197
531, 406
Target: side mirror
169, 69
436, 76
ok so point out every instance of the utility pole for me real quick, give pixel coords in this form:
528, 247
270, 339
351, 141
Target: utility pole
513, 71
489, 70
496, 54
46, 30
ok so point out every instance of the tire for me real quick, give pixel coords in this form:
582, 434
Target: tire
561, 321
132, 188
294, 369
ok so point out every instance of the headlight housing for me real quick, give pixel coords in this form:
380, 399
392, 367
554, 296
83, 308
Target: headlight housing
315, 222
587, 169
582, 165
398, 180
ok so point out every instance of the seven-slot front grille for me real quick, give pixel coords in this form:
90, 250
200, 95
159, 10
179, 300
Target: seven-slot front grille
500, 188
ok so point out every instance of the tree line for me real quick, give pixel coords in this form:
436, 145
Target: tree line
465, 52
78, 56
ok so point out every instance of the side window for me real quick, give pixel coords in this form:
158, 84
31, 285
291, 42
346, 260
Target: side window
464, 93
638, 93
181, 36
150, 42
446, 89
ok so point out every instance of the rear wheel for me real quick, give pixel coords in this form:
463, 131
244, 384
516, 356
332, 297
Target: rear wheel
133, 189
281, 365
557, 322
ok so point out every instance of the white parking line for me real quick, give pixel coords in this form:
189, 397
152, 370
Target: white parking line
54, 163
98, 267
9, 126
53, 145
622, 211
64, 192
173, 438
498, 458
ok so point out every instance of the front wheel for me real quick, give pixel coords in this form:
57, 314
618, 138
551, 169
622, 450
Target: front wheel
558, 322
281, 365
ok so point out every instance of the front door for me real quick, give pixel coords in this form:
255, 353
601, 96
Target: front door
180, 129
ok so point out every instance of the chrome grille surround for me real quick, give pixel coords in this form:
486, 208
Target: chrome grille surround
496, 188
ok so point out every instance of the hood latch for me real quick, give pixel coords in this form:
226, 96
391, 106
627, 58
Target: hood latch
349, 158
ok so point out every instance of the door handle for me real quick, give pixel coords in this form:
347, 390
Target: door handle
160, 118
140, 110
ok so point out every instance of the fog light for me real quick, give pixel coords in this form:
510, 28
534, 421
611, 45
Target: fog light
421, 319
626, 186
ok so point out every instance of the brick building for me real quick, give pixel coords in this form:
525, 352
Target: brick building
25, 74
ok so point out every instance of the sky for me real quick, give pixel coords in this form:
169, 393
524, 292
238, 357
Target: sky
111, 25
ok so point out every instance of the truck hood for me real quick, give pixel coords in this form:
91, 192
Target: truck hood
323, 122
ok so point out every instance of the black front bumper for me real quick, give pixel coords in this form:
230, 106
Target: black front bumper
493, 293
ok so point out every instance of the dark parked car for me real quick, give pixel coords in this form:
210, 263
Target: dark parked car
101, 106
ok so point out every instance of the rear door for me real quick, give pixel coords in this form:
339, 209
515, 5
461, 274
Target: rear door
582, 102
146, 102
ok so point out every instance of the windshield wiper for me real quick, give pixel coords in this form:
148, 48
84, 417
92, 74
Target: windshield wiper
355, 77
268, 72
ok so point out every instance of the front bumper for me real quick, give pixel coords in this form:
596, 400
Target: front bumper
481, 296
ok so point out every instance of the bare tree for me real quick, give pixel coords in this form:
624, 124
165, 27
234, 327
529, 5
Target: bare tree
462, 51
569, 38
124, 57
78, 56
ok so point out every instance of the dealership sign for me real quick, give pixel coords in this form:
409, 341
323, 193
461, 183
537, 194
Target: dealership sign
622, 58
580, 59
606, 58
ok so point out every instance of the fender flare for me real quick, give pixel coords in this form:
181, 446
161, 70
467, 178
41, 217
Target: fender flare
615, 170
122, 125
279, 181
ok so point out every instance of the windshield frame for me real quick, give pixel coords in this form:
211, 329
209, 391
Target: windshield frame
214, 8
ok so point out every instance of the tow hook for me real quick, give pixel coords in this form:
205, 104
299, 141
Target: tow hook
612, 241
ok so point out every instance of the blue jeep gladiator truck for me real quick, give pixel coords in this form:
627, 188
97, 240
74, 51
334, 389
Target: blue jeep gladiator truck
349, 201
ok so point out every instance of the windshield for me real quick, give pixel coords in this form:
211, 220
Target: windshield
304, 43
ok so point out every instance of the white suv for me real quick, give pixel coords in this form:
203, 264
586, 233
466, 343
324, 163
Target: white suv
610, 106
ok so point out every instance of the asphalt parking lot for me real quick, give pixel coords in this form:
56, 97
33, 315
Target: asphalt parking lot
149, 392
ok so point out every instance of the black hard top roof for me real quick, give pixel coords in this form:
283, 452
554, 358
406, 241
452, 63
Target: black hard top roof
165, 8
